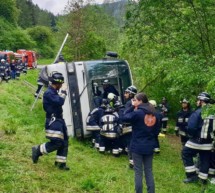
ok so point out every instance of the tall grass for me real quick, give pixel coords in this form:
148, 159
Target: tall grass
90, 172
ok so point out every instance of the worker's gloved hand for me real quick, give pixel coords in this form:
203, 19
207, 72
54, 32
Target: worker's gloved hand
63, 91
64, 87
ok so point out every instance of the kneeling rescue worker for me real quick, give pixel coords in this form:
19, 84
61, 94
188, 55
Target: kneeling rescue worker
55, 127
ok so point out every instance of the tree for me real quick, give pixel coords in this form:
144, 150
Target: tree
86, 23
44, 40
170, 46
9, 11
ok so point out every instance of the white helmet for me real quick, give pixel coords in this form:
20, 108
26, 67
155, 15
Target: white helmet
2, 60
111, 96
153, 102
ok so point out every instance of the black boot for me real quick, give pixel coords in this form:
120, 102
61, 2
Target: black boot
36, 153
191, 179
61, 166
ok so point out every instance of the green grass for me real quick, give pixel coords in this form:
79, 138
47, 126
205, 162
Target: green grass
43, 61
90, 172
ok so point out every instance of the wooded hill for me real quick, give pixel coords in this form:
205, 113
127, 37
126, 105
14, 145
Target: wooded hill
169, 45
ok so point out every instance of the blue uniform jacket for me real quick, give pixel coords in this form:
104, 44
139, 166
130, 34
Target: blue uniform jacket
110, 89
195, 123
52, 103
143, 137
93, 119
182, 120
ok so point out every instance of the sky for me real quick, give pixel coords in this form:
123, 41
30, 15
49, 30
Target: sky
55, 6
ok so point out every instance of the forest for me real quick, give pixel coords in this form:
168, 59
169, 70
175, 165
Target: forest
168, 44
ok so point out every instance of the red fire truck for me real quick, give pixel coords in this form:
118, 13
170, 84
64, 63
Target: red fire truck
29, 57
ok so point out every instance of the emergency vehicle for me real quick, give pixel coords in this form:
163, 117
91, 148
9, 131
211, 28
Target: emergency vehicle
80, 76
29, 57
7, 55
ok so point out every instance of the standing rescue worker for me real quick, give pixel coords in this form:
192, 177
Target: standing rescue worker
182, 121
157, 145
200, 131
164, 109
125, 139
3, 70
55, 127
13, 69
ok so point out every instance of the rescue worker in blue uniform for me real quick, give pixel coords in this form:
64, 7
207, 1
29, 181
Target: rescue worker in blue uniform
18, 69
13, 69
182, 121
55, 127
3, 72
157, 146
108, 88
125, 139
200, 131
164, 109
92, 123
97, 95
110, 131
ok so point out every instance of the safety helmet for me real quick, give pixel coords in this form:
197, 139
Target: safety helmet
109, 109
204, 96
131, 89
153, 102
184, 101
2, 60
61, 58
57, 78
111, 96
106, 81
95, 84
117, 104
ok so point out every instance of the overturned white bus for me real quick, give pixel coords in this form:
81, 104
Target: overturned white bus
80, 76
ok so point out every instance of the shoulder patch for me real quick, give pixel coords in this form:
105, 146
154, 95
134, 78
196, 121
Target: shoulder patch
149, 120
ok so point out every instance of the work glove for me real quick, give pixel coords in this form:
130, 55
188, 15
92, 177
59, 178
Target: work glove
64, 87
63, 91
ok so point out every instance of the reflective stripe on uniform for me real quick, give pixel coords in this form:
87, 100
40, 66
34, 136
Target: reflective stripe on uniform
109, 135
54, 134
203, 176
60, 159
182, 133
211, 171
204, 130
180, 120
199, 146
165, 119
115, 151
43, 149
190, 169
92, 128
126, 130
101, 149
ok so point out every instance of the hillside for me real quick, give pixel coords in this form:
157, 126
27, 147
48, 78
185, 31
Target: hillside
31, 15
90, 172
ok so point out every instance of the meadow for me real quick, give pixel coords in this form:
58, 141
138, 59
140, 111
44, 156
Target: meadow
91, 172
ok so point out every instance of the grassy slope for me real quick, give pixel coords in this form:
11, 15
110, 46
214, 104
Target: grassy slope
90, 171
